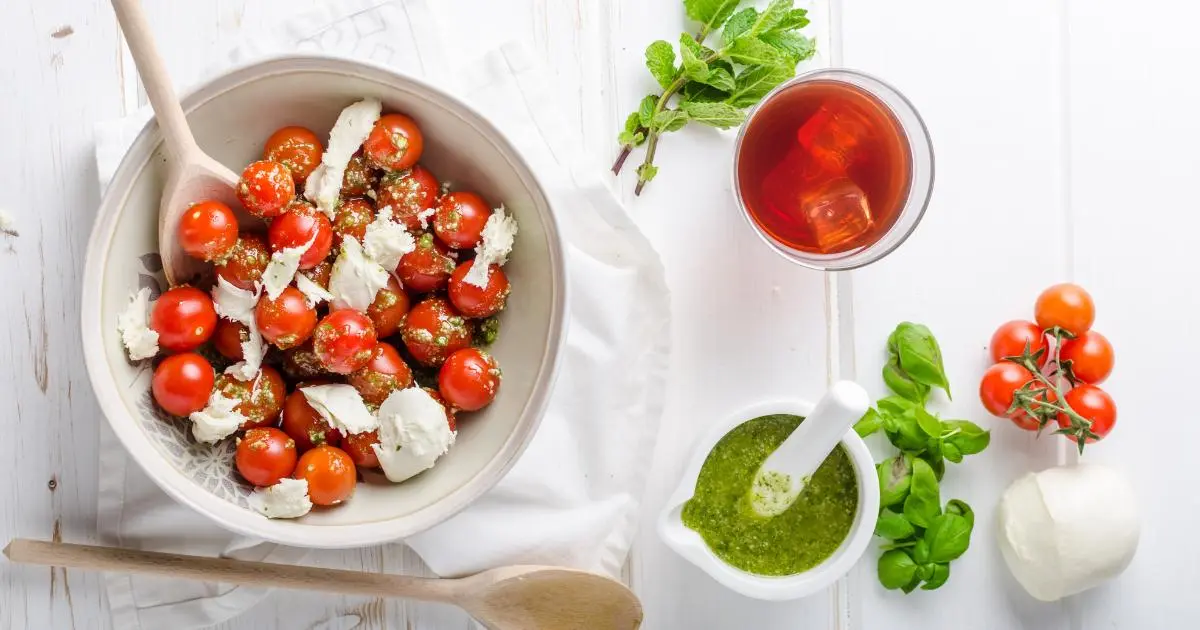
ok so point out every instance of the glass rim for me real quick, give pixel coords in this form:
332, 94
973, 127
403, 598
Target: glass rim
869, 254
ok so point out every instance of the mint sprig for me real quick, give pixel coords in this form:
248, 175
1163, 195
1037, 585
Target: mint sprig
755, 52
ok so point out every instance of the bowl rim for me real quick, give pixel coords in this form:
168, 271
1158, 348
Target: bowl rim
182, 488
691, 546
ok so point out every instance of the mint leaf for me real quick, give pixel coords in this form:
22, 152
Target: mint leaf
754, 83
660, 59
738, 25
796, 18
633, 123
719, 115
646, 110
631, 138
670, 120
646, 172
719, 78
710, 13
794, 46
694, 67
751, 51
771, 17
700, 93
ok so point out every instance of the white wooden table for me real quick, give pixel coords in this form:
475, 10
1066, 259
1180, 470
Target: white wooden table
1064, 133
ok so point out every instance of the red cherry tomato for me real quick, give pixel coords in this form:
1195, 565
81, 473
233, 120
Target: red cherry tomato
330, 474
385, 373
388, 310
469, 379
999, 384
305, 425
246, 262
208, 231
300, 223
472, 301
460, 219
360, 177
296, 148
352, 218
301, 362
1067, 306
396, 143
344, 341
229, 337
1011, 339
451, 412
433, 331
264, 456
1096, 405
358, 447
266, 188
409, 193
320, 274
259, 400
427, 268
1091, 357
184, 318
287, 321
182, 383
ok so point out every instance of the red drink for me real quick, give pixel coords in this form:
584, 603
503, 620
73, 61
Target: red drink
824, 167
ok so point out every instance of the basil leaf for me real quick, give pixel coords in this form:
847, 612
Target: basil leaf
903, 384
738, 25
928, 422
911, 586
660, 60
948, 536
754, 82
933, 456
904, 431
925, 571
941, 573
895, 478
896, 405
920, 356
951, 452
694, 68
710, 13
967, 436
646, 110
920, 552
923, 503
719, 115
869, 423
893, 526
896, 569
955, 506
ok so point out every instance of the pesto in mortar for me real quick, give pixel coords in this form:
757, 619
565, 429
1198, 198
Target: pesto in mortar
796, 540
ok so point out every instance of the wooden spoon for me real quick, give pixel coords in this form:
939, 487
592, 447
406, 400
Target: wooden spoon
192, 175
507, 598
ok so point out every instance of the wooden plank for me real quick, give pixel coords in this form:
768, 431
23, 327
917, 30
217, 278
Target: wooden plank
989, 243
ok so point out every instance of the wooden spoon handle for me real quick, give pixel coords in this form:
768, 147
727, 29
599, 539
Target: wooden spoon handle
229, 571
157, 82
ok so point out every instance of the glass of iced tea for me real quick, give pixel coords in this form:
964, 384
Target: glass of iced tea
834, 169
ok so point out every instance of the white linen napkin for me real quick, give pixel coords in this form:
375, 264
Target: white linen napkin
572, 499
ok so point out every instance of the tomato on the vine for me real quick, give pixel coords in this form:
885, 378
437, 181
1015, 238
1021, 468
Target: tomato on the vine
286, 321
1067, 306
208, 231
396, 143
266, 188
264, 456
469, 379
1025, 421
330, 474
460, 219
1011, 340
184, 318
1091, 357
182, 383
296, 148
1095, 405
299, 224
344, 341
999, 383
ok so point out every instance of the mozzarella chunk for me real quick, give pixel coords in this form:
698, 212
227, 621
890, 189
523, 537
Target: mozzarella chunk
353, 125
355, 278
286, 499
283, 267
218, 420
493, 249
233, 303
387, 241
254, 350
342, 407
314, 293
413, 434
424, 216
134, 324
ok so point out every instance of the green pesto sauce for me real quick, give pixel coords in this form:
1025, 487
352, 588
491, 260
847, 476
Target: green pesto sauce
796, 540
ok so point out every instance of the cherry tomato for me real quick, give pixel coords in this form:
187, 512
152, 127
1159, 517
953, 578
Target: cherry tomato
1096, 405
360, 177
409, 193
385, 373
296, 148
1091, 357
184, 318
305, 425
1067, 306
433, 331
1027, 422
396, 143
260, 399
469, 379
182, 383
344, 341
472, 301
999, 383
229, 337
301, 362
460, 219
246, 261
451, 413
330, 474
1011, 339
208, 231
300, 223
352, 218
358, 447
266, 188
264, 456
389, 308
320, 273
427, 268
287, 321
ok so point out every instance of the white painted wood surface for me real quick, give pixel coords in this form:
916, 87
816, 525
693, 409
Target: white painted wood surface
1066, 121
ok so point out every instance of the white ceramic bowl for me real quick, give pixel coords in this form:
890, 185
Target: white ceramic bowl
692, 547
231, 117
